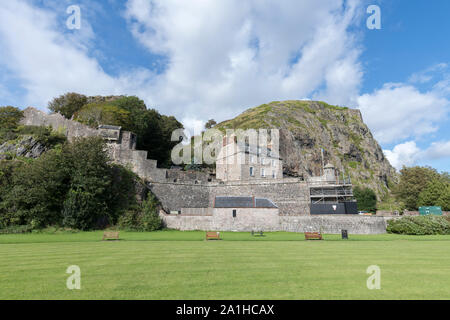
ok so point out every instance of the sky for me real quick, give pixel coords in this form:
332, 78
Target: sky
203, 59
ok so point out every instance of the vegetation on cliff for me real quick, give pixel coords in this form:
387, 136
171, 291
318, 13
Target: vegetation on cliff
153, 130
306, 127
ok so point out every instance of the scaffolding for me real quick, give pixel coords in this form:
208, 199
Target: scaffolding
330, 191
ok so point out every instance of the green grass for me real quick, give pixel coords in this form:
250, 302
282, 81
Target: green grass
181, 265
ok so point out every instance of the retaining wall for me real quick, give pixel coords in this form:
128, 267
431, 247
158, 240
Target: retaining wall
332, 224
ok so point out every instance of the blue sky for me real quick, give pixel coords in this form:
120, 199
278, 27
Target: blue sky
213, 59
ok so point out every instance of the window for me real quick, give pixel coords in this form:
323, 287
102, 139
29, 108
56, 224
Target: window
234, 213
263, 173
262, 161
273, 174
252, 159
273, 163
252, 173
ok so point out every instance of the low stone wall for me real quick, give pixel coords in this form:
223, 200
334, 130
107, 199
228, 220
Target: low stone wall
326, 223
354, 224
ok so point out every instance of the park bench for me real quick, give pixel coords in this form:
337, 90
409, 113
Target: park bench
212, 235
258, 233
110, 235
313, 236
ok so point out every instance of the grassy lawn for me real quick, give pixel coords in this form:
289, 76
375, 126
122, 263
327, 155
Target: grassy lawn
180, 265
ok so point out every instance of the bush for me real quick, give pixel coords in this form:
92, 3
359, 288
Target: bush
366, 199
143, 218
68, 104
16, 229
76, 187
10, 117
419, 225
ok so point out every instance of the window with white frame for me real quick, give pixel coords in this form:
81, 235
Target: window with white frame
273, 163
274, 175
252, 173
263, 172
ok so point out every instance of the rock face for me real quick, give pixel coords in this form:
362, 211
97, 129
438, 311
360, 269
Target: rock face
27, 147
306, 127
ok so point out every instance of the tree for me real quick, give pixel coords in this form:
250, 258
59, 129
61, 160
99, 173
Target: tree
10, 117
432, 193
95, 114
37, 191
150, 219
68, 104
211, 123
413, 181
366, 199
444, 199
75, 186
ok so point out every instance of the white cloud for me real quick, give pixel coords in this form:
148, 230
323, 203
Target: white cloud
438, 150
405, 154
224, 56
400, 111
228, 55
409, 154
46, 62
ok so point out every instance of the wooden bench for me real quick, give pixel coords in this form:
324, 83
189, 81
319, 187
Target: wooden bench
110, 235
313, 236
212, 235
258, 233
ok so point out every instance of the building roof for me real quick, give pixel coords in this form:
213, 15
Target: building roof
243, 202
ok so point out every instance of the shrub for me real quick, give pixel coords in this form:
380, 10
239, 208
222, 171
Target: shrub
68, 104
10, 117
16, 229
366, 199
143, 218
419, 225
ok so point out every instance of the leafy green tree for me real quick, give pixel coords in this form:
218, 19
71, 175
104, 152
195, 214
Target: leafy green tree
211, 123
366, 199
432, 193
413, 181
75, 186
444, 199
136, 110
67, 104
150, 220
143, 217
86, 203
37, 192
10, 117
95, 114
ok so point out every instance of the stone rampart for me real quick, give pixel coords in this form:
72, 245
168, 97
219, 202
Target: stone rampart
332, 224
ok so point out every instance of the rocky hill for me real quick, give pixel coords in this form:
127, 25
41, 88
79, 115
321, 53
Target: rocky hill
308, 126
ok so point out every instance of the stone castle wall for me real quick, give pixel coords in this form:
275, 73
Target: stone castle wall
223, 221
72, 129
290, 195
